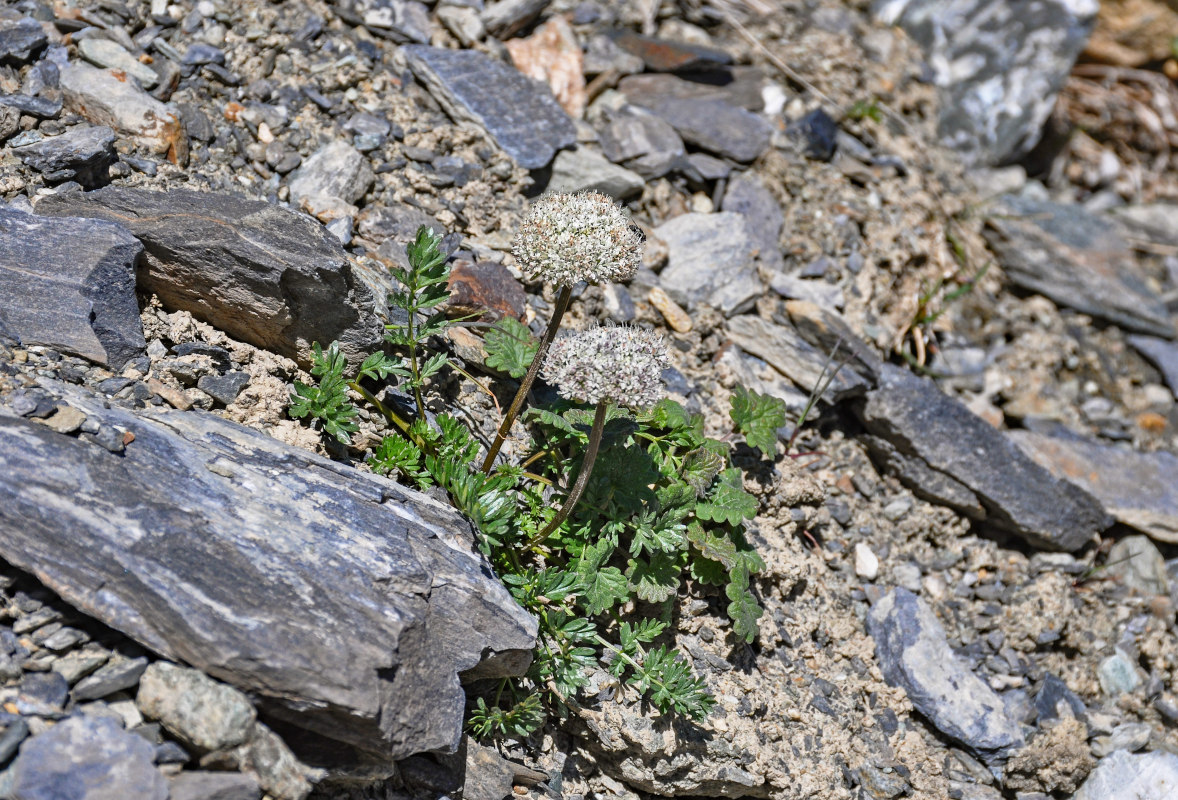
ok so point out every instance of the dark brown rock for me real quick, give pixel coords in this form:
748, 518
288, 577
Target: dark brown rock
487, 290
665, 55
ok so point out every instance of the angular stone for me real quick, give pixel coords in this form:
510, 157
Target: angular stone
260, 273
784, 350
1137, 564
87, 758
20, 40
84, 155
111, 55
553, 56
199, 785
644, 143
42, 107
351, 620
195, 708
582, 170
1018, 495
716, 126
401, 21
711, 260
829, 332
665, 55
1155, 222
520, 115
737, 86
506, 17
104, 98
746, 195
1077, 259
117, 674
270, 761
1164, 356
332, 180
820, 293
223, 388
817, 134
998, 66
1139, 489
913, 654
69, 284
1127, 776
486, 289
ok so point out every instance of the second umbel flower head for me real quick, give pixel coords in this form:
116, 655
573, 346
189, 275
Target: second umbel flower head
619, 365
569, 238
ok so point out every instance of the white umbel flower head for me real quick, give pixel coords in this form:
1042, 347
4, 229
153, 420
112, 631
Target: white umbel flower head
621, 365
577, 237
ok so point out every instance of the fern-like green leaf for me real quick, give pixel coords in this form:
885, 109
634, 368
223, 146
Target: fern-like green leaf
603, 587
729, 502
656, 580
743, 608
510, 347
758, 416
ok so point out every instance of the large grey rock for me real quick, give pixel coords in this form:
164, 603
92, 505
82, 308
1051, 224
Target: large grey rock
345, 605
1077, 259
711, 259
716, 126
941, 435
69, 284
644, 143
205, 713
1128, 776
787, 352
20, 40
104, 98
582, 170
746, 195
87, 758
1139, 489
913, 654
261, 273
520, 114
332, 180
998, 66
84, 155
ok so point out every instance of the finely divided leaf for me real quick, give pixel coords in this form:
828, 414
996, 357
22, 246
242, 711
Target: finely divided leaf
603, 586
656, 580
758, 416
510, 347
743, 609
729, 502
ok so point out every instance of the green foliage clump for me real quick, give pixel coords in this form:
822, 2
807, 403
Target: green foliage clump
662, 513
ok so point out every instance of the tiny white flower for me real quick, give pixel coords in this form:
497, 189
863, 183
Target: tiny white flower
577, 237
622, 365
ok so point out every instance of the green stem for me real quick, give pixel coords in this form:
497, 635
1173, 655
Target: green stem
517, 404
413, 364
582, 479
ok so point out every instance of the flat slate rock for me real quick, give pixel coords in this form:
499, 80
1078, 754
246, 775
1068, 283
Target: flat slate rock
787, 352
582, 170
1132, 776
1077, 259
998, 66
1139, 489
913, 653
739, 86
20, 40
746, 195
200, 785
263, 274
644, 143
69, 284
84, 155
332, 180
520, 114
938, 432
87, 758
667, 55
711, 259
716, 126
345, 604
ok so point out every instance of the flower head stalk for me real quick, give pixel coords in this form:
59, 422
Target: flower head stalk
607, 366
566, 239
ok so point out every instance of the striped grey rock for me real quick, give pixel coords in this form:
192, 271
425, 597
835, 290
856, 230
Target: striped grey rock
913, 653
69, 284
344, 604
87, 758
84, 155
1077, 259
1014, 493
998, 66
520, 114
263, 274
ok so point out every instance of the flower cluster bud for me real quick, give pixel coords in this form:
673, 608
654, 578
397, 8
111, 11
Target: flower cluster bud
569, 238
622, 365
